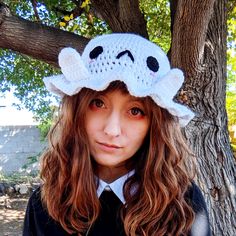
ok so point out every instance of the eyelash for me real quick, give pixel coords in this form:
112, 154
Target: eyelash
95, 102
141, 112
98, 103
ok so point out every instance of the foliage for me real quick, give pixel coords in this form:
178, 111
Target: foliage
22, 74
157, 15
25, 74
30, 161
231, 107
233, 147
46, 124
44, 128
231, 66
18, 178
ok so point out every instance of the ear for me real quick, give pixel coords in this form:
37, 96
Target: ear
72, 65
169, 84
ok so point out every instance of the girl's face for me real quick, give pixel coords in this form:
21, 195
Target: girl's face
116, 124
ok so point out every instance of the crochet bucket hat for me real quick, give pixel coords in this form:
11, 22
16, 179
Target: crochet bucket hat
139, 63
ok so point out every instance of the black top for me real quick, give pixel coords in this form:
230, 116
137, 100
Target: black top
39, 223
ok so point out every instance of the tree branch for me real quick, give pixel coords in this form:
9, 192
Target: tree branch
77, 2
77, 11
122, 16
34, 3
188, 35
44, 43
35, 40
231, 4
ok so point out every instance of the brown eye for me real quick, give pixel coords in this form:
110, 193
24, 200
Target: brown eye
97, 103
135, 111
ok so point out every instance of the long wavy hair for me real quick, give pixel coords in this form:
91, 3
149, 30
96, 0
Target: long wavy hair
156, 207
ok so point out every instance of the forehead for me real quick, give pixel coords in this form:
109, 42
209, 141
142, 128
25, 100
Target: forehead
122, 92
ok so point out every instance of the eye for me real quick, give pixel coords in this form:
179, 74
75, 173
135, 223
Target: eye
97, 103
152, 64
135, 111
96, 52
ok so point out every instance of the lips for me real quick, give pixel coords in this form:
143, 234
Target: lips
109, 145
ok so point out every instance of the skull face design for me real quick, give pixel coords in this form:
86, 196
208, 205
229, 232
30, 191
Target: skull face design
151, 61
125, 56
137, 62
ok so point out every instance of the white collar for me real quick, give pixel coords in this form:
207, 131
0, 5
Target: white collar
116, 186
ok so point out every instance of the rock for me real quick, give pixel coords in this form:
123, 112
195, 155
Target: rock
17, 187
7, 203
10, 190
2, 189
23, 189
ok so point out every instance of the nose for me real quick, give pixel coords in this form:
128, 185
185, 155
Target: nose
113, 125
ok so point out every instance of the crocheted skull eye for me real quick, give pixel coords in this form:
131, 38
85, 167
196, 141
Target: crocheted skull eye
95, 52
152, 64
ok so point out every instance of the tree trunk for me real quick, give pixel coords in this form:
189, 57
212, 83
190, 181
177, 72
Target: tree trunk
122, 15
199, 48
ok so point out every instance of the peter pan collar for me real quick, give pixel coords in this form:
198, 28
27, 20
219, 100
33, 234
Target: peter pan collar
116, 186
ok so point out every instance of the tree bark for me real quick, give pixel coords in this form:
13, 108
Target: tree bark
122, 15
34, 39
44, 43
199, 48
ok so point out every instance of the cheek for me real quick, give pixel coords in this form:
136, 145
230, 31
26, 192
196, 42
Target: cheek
89, 124
93, 123
138, 132
141, 136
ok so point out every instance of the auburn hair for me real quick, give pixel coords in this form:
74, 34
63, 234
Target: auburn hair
156, 207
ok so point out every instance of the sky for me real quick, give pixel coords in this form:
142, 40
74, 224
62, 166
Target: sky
9, 115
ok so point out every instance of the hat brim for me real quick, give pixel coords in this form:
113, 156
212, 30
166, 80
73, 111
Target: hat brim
59, 85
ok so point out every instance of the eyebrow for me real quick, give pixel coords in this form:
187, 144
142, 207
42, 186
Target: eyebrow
136, 99
132, 98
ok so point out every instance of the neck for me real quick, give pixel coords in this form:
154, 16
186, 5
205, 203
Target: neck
109, 174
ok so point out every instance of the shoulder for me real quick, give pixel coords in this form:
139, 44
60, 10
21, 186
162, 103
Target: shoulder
35, 202
195, 198
35, 208
36, 195
201, 225
37, 220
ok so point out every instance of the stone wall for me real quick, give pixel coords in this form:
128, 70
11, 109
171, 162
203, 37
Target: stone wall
17, 144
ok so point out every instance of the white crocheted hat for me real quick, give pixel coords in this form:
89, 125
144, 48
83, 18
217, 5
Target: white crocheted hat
130, 58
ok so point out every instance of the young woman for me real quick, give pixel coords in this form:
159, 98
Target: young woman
117, 162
